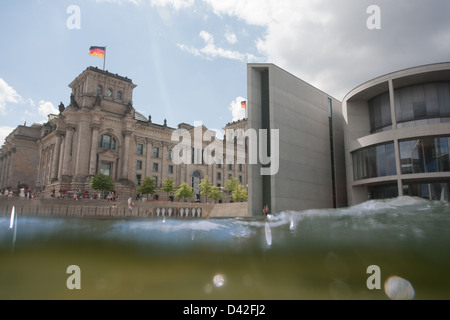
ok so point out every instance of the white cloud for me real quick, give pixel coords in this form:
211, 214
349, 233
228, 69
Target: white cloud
328, 44
7, 95
231, 37
207, 37
135, 2
4, 132
236, 109
210, 50
31, 102
176, 4
45, 108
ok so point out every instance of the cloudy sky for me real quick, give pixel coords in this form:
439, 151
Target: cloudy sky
189, 57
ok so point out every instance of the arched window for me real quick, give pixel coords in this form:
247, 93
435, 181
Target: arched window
99, 90
107, 142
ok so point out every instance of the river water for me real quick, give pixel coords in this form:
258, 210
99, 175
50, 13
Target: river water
381, 249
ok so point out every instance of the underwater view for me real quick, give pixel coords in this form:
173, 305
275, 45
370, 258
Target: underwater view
381, 249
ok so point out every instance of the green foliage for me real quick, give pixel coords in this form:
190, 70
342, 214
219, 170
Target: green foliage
168, 186
147, 186
184, 191
239, 194
238, 191
205, 187
231, 184
102, 182
215, 193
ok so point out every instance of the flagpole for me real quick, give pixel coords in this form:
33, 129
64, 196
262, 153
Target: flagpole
104, 60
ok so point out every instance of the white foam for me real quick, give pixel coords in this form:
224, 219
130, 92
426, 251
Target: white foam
201, 225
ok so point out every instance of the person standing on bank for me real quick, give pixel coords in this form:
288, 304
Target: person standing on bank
130, 205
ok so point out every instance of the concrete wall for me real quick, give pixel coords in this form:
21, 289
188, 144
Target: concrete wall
300, 113
103, 209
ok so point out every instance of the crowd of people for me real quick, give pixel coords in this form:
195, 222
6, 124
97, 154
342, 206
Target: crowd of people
22, 193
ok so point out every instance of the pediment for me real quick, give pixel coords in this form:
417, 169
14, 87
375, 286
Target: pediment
108, 154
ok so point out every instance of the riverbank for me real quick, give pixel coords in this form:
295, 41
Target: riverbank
88, 208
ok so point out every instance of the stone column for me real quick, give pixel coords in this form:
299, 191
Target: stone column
47, 162
148, 158
126, 152
55, 158
61, 156
94, 144
164, 159
2, 171
68, 151
5, 169
83, 143
10, 172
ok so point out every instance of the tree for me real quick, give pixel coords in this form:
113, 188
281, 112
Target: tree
216, 193
231, 184
240, 193
184, 191
148, 186
205, 187
102, 182
168, 186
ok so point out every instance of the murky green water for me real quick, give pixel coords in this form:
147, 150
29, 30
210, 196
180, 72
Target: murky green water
315, 254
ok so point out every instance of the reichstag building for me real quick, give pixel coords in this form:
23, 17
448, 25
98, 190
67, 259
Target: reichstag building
100, 131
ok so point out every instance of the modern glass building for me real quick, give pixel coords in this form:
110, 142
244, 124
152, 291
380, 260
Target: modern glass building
397, 135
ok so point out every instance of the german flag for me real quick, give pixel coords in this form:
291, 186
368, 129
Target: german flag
243, 104
97, 52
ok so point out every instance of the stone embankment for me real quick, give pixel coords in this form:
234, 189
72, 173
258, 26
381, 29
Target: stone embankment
88, 208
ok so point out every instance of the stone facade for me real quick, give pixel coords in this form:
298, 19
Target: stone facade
18, 158
101, 131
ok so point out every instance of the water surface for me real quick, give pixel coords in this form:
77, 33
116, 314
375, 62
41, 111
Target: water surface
313, 254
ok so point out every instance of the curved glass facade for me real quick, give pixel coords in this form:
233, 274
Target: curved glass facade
421, 104
374, 161
424, 155
380, 113
424, 101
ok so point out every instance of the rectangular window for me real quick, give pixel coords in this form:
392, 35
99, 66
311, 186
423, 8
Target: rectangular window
170, 154
219, 176
156, 152
140, 149
170, 168
240, 179
377, 161
230, 166
139, 165
240, 167
156, 181
138, 179
107, 142
155, 167
105, 168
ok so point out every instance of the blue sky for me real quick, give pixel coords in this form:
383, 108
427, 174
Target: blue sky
188, 57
